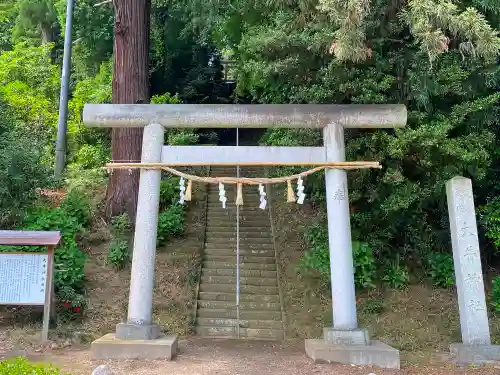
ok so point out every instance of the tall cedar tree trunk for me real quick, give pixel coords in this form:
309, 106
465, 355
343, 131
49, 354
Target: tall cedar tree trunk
130, 85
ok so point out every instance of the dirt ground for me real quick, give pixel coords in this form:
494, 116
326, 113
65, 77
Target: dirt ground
220, 357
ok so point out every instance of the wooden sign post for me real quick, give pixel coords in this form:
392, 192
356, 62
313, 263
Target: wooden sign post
28, 278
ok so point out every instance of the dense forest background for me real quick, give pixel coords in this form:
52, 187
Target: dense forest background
438, 58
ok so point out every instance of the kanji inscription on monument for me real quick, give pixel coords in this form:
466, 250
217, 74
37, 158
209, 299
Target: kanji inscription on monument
467, 262
23, 278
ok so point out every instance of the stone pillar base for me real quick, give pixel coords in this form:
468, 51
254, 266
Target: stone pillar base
336, 336
130, 331
110, 347
351, 346
375, 354
475, 354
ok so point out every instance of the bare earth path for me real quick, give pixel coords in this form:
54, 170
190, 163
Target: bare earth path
230, 357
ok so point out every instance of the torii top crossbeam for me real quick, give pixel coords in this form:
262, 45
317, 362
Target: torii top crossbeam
241, 116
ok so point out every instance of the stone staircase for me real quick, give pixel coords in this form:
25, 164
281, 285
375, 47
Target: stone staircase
260, 307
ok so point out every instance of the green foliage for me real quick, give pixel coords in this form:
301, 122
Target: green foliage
495, 293
30, 89
490, 220
121, 225
182, 138
170, 223
165, 98
21, 366
364, 265
395, 275
92, 156
169, 192
36, 17
21, 174
317, 257
441, 269
77, 206
119, 253
70, 298
372, 307
68, 254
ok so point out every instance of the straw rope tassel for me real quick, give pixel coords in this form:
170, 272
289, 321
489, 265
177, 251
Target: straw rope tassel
239, 195
187, 194
291, 195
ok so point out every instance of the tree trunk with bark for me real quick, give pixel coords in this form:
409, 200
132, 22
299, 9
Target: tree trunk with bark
130, 85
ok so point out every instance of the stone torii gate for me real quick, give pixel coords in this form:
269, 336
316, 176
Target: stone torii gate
344, 342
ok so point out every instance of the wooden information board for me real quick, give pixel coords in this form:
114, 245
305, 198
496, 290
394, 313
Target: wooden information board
23, 278
27, 278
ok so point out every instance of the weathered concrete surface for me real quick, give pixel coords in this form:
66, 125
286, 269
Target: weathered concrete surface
213, 155
241, 116
109, 347
475, 354
346, 336
130, 331
140, 303
467, 262
339, 233
376, 354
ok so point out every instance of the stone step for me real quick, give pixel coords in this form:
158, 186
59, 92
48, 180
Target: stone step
244, 323
244, 259
224, 212
220, 238
248, 206
211, 228
247, 315
224, 305
244, 289
211, 296
243, 234
217, 243
243, 265
243, 252
243, 272
208, 279
250, 219
249, 333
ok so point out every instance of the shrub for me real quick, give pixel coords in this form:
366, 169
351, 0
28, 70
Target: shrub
170, 223
21, 174
489, 216
441, 269
364, 265
121, 225
92, 156
77, 205
183, 138
169, 192
495, 297
21, 366
67, 254
372, 307
317, 257
396, 276
119, 253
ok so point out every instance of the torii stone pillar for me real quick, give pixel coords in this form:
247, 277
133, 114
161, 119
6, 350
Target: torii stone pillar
343, 342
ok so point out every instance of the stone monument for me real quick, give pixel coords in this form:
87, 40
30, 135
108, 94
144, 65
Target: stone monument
476, 345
